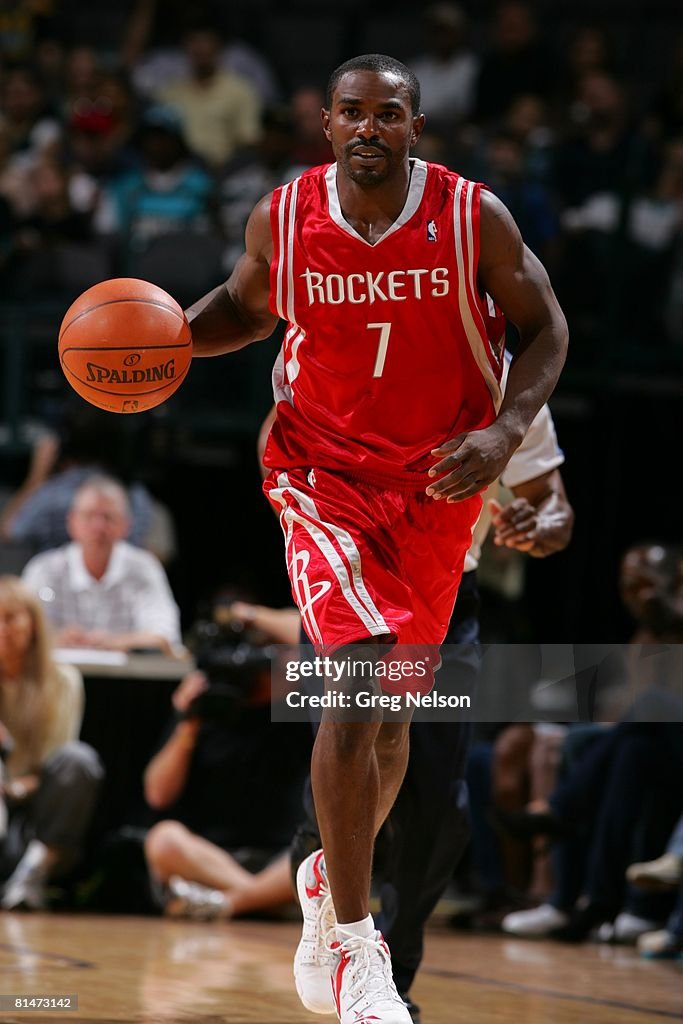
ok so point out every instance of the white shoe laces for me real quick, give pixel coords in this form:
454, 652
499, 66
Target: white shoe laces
370, 968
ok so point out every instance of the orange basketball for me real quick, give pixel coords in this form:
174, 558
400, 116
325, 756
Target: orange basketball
125, 345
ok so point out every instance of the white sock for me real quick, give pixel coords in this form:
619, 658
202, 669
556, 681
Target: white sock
364, 929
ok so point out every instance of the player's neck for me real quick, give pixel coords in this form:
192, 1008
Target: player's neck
371, 211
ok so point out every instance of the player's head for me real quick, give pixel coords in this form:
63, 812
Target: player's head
372, 116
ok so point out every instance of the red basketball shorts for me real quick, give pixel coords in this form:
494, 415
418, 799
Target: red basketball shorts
370, 561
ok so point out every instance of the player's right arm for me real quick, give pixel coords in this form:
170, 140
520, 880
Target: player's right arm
237, 312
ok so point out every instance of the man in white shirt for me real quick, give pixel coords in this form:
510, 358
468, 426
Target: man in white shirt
100, 591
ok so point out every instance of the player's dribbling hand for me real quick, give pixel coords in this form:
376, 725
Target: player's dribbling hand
470, 463
515, 524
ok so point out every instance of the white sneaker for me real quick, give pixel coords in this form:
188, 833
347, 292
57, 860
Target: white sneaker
194, 901
363, 984
535, 923
313, 958
629, 928
664, 873
660, 945
25, 891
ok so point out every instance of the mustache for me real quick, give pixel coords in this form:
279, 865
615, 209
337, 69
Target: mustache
380, 147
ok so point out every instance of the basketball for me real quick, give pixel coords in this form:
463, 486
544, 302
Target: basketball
125, 345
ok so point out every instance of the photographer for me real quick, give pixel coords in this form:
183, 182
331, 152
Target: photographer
229, 783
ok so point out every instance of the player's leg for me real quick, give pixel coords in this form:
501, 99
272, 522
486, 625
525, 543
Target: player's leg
356, 771
346, 581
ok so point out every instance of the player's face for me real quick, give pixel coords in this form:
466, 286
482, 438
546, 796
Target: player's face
371, 126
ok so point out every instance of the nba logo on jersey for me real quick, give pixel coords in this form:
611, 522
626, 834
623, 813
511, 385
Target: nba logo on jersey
431, 230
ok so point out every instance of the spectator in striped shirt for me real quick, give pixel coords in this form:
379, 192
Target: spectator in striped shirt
98, 590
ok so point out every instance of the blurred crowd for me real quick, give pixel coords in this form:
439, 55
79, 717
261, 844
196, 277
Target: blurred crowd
122, 158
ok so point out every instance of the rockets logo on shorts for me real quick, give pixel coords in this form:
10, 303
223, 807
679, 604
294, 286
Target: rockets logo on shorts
431, 231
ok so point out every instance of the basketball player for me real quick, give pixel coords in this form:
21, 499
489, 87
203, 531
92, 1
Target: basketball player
389, 424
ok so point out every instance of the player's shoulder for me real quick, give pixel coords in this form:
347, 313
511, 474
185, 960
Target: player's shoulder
308, 180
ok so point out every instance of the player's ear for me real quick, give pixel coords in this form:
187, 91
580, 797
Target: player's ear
325, 117
418, 125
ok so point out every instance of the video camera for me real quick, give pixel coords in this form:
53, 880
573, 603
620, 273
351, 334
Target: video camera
233, 660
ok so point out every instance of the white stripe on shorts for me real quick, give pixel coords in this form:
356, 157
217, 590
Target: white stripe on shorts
352, 586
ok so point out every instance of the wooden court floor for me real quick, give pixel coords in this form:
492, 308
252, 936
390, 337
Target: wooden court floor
146, 970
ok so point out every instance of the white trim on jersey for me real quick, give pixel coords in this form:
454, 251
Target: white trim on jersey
477, 337
281, 250
290, 252
352, 585
292, 366
418, 180
286, 219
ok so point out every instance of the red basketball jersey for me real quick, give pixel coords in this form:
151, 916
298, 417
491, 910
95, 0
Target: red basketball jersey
386, 353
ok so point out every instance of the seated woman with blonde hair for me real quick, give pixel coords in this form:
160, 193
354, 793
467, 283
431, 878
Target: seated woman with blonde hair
48, 780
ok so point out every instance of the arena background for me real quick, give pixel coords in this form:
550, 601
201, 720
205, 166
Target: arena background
617, 407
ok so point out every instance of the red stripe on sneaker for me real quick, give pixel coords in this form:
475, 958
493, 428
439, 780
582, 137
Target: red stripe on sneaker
338, 976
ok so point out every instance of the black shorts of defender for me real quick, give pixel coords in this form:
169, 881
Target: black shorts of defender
428, 828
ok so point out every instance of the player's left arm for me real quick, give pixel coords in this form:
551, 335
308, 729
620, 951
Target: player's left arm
540, 519
518, 283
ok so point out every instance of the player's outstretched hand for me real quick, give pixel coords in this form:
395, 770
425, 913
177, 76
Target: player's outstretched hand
470, 463
516, 524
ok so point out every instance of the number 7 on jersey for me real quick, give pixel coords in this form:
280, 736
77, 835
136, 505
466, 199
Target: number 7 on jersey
384, 332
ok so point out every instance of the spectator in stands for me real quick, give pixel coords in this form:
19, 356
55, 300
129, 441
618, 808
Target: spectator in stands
598, 169
655, 248
230, 811
30, 127
99, 591
604, 155
219, 110
448, 70
529, 202
527, 120
588, 53
518, 64
152, 53
55, 249
82, 77
48, 781
170, 195
624, 787
252, 175
310, 145
87, 443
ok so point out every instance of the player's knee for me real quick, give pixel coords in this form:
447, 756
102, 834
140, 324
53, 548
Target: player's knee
164, 843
